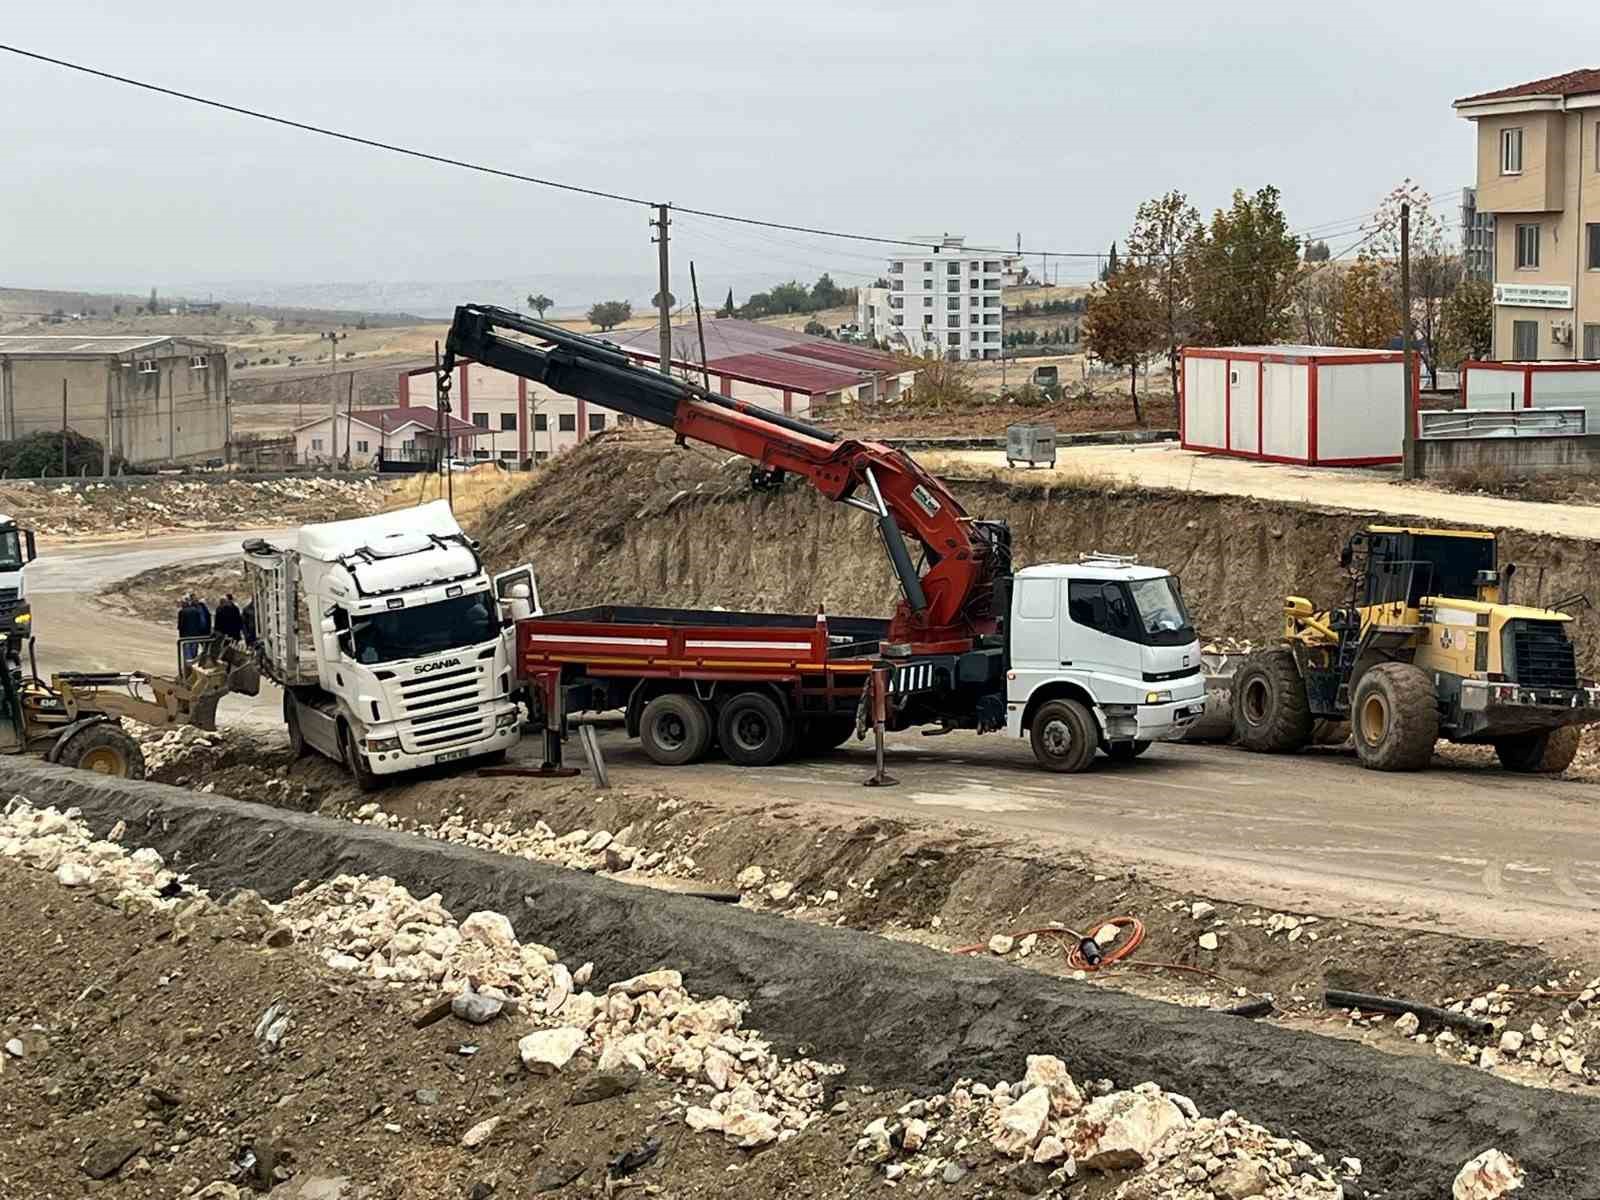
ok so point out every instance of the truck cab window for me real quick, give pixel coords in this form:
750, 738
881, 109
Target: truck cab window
425, 629
10, 550
1145, 610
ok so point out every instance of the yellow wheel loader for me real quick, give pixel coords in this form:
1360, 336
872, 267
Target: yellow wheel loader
1429, 647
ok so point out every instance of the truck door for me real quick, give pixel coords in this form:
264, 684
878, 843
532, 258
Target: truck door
518, 593
1097, 639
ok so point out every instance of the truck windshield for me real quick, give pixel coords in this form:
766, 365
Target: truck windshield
10, 550
426, 629
1160, 606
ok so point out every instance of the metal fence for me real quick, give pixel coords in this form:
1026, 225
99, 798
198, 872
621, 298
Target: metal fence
1497, 423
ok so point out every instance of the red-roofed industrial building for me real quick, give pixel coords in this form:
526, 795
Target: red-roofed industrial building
518, 422
1539, 174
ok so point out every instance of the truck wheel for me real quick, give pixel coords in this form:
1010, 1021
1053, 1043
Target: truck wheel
1395, 718
359, 771
1064, 736
291, 722
753, 730
674, 729
1126, 751
105, 748
1547, 753
1270, 711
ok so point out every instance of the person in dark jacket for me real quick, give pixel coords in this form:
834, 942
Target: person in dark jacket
229, 621
190, 621
205, 616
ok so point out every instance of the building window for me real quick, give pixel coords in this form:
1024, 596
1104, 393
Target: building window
197, 362
480, 454
1594, 246
927, 266
480, 420
361, 447
567, 422
147, 366
1525, 341
540, 422
508, 455
316, 443
1527, 247
409, 445
953, 269
927, 302
540, 455
597, 422
1511, 152
508, 422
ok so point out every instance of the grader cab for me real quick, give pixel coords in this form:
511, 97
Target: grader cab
1428, 647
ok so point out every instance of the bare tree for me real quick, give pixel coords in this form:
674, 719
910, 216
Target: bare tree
1165, 232
1436, 269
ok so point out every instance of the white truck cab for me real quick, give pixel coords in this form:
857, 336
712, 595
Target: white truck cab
392, 644
1103, 656
16, 552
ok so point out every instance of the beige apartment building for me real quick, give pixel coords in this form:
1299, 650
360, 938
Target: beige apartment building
1539, 173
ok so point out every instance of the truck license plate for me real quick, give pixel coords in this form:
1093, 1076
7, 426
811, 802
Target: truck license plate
449, 756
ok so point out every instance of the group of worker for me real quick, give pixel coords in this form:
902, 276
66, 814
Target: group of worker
196, 620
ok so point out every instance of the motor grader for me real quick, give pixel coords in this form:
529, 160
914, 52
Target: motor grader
1429, 646
74, 719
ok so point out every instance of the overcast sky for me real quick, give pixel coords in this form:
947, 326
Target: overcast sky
985, 118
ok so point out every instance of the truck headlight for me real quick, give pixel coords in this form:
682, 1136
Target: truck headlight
1158, 697
506, 719
24, 618
382, 745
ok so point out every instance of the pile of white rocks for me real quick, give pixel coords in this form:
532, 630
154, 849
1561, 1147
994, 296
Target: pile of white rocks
1045, 1119
1556, 1047
47, 839
164, 748
580, 849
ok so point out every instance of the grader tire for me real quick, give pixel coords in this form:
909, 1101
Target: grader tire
104, 748
1271, 713
1395, 718
1547, 753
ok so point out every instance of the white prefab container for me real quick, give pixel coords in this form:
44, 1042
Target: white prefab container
1316, 405
1510, 385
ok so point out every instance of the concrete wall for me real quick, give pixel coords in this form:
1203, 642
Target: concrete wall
177, 412
1529, 455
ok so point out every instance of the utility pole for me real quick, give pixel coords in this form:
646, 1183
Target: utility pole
63, 428
660, 225
349, 415
1408, 435
705, 371
333, 337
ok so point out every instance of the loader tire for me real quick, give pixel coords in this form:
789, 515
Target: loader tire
105, 748
754, 730
1395, 718
1271, 713
675, 729
1547, 753
1064, 735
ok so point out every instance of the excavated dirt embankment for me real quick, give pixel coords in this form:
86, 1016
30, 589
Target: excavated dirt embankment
899, 1015
633, 521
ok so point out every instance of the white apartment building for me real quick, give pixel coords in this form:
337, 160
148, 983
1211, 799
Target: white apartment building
945, 302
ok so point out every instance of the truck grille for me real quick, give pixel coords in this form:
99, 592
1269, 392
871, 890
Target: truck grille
1544, 657
8, 595
442, 710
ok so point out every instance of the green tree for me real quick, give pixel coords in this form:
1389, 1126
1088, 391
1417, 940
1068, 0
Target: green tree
1244, 271
1165, 233
1110, 269
825, 293
1468, 322
1123, 325
791, 297
1369, 317
150, 305
608, 314
539, 303
655, 301
727, 306
1318, 252
759, 305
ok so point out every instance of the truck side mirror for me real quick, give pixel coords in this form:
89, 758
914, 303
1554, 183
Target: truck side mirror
33, 553
328, 626
1347, 555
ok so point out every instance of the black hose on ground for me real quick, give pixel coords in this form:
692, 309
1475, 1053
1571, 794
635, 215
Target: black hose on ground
1390, 1004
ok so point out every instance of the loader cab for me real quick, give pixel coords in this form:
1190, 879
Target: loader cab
1402, 565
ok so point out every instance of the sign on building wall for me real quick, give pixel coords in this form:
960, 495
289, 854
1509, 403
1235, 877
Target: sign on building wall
1533, 295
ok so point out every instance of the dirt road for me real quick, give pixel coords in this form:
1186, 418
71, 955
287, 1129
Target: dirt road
1165, 465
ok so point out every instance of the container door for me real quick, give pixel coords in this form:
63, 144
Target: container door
1244, 410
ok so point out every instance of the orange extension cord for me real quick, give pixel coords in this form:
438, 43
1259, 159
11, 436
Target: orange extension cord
1071, 950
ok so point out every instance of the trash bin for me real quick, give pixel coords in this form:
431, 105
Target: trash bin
1032, 444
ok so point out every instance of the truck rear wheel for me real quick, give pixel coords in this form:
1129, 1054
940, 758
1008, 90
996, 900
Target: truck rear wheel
1547, 753
1395, 718
1064, 736
1270, 711
105, 748
675, 729
753, 730
291, 723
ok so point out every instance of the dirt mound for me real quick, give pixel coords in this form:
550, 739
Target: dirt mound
637, 521
154, 595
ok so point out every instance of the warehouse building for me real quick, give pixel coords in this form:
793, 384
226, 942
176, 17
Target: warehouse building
518, 421
150, 399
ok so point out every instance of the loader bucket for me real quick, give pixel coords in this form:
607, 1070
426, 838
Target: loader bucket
1216, 725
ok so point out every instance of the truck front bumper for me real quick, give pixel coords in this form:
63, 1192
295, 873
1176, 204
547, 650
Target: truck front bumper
1489, 709
1164, 722
386, 755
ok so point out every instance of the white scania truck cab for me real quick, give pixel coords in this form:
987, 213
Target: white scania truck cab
16, 552
393, 646
1103, 656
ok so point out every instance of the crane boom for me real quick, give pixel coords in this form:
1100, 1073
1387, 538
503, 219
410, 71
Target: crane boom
944, 608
